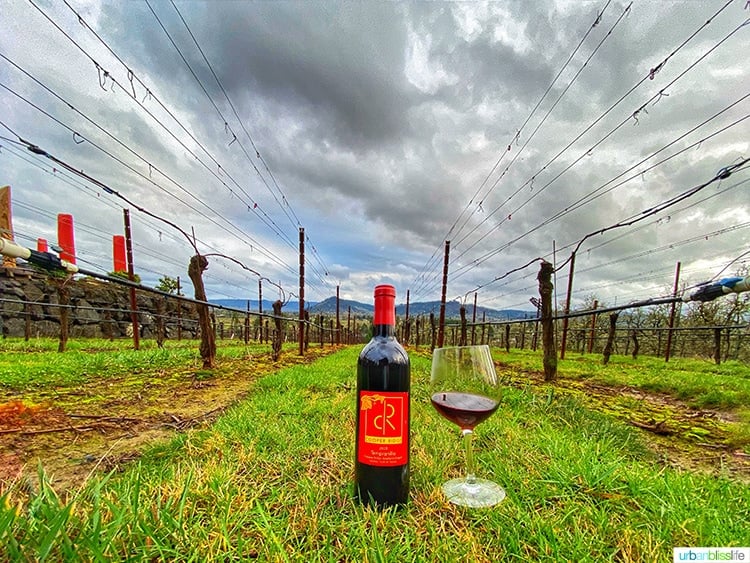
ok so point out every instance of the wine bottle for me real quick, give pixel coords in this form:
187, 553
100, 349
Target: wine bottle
382, 440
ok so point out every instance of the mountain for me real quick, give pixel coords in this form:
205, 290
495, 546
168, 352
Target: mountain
241, 304
328, 307
453, 311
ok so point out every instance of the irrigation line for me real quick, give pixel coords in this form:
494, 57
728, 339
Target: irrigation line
678, 328
589, 312
587, 328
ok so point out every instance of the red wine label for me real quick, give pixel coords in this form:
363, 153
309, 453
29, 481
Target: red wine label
383, 432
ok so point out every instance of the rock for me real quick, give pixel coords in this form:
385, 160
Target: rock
14, 327
34, 293
12, 305
85, 313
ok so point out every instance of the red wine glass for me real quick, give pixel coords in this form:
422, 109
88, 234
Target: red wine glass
464, 389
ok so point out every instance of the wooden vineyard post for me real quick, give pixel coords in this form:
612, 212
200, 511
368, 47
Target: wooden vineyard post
548, 333
672, 312
432, 331
307, 329
198, 265
320, 330
179, 311
260, 301
636, 344
277, 334
27, 324
610, 337
338, 319
474, 321
566, 320
131, 277
593, 328
63, 294
484, 326
535, 338
717, 346
348, 324
462, 338
302, 293
441, 325
160, 304
507, 338
406, 319
246, 335
728, 346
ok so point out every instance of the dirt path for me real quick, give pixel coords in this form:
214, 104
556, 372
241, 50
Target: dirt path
102, 425
681, 436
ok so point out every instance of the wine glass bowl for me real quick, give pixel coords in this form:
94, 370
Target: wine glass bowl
464, 389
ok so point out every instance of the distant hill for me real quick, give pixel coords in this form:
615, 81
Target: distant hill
267, 305
452, 310
328, 307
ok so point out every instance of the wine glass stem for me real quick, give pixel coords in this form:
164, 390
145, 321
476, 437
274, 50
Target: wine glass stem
468, 447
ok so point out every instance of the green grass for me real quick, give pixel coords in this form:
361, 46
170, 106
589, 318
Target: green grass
271, 480
37, 364
700, 383
15, 344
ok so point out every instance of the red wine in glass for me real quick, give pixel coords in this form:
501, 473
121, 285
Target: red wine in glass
464, 409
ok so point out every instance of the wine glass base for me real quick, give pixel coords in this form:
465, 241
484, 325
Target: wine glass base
480, 493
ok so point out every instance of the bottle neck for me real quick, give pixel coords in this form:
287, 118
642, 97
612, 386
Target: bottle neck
385, 311
384, 314
383, 330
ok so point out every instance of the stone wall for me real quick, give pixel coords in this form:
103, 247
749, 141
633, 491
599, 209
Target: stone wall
97, 308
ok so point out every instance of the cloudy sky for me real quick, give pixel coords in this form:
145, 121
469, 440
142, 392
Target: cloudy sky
512, 129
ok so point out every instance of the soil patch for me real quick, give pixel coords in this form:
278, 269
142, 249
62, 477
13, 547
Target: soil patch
102, 425
678, 434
